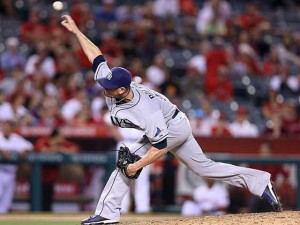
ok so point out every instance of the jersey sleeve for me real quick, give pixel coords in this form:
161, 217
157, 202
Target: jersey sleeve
156, 128
100, 68
21, 144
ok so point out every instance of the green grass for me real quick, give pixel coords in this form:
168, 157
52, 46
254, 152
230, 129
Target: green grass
35, 222
69, 219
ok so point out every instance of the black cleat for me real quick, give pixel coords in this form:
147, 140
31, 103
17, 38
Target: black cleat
97, 219
271, 196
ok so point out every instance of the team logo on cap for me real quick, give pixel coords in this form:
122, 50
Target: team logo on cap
109, 75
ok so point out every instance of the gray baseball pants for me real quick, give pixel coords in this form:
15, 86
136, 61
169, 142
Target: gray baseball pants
184, 146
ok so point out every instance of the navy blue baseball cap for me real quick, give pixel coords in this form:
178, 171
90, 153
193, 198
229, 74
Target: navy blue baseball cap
120, 77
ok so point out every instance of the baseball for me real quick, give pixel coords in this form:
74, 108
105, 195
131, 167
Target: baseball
58, 5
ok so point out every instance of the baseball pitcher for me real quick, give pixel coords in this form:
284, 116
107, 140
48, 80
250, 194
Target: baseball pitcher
166, 129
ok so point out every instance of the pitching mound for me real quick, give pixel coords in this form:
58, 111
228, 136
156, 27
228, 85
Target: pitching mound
283, 218
272, 218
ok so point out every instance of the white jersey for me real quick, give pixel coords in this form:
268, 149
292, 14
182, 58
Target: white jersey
148, 111
14, 143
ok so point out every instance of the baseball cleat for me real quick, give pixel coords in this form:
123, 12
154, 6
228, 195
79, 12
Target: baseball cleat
97, 219
271, 196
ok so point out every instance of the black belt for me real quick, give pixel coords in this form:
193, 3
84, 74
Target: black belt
175, 113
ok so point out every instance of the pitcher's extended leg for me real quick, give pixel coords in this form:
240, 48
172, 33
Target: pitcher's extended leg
192, 156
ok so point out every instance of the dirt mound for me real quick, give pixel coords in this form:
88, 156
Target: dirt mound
272, 218
282, 218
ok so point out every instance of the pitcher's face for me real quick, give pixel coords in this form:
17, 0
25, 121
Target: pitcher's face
115, 93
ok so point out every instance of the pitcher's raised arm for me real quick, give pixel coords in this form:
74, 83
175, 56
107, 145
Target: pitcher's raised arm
93, 53
91, 50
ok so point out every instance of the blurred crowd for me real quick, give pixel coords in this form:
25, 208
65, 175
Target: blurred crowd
233, 70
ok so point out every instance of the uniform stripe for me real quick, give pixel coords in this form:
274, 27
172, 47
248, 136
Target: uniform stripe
109, 191
141, 146
160, 139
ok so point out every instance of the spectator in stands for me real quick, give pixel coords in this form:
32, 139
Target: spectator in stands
220, 128
55, 143
69, 86
137, 67
9, 84
18, 107
211, 197
33, 30
112, 49
97, 105
285, 83
191, 84
247, 60
74, 105
212, 18
48, 113
166, 8
188, 8
271, 111
10, 143
106, 14
198, 61
216, 57
82, 118
211, 114
251, 19
201, 123
285, 49
124, 35
53, 23
40, 84
290, 119
59, 43
169, 33
272, 105
223, 90
82, 13
8, 8
6, 111
171, 89
189, 38
144, 37
40, 63
274, 125
11, 57
241, 126
156, 73
271, 63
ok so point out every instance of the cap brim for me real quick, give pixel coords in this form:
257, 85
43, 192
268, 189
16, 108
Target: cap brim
107, 84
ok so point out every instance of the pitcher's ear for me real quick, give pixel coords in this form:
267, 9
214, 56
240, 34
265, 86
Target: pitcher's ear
121, 90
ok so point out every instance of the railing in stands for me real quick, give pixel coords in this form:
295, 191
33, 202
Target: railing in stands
38, 159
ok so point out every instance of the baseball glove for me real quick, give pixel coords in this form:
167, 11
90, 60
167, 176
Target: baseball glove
125, 157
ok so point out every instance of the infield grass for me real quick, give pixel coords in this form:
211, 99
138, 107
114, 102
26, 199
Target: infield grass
70, 219
35, 222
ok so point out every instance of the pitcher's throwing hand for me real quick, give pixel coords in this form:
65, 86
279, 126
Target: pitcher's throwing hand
69, 23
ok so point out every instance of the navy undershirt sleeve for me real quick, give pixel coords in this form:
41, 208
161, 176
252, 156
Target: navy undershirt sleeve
161, 145
99, 59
